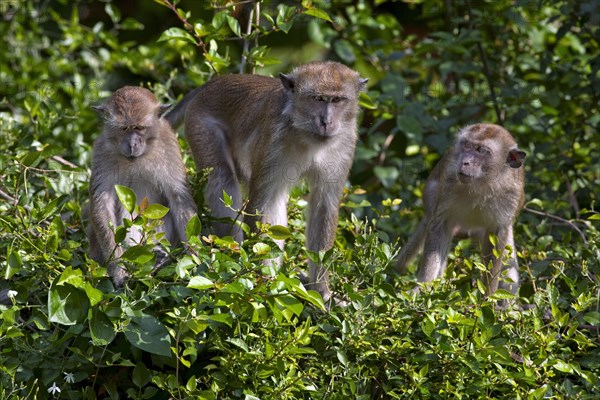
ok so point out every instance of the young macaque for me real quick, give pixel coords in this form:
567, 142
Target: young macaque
137, 149
265, 134
475, 189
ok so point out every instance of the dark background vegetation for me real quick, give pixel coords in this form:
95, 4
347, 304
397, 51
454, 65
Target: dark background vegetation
215, 324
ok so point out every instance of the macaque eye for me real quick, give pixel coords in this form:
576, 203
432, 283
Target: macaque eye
140, 128
336, 99
124, 128
483, 149
319, 98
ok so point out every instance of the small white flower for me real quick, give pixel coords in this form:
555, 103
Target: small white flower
12, 294
54, 389
69, 377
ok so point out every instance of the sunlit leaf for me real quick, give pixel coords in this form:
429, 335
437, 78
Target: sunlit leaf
176, 34
155, 211
126, 197
200, 283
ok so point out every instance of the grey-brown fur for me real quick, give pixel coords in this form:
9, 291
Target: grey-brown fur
265, 134
137, 148
477, 188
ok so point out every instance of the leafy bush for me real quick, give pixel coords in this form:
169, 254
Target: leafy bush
217, 323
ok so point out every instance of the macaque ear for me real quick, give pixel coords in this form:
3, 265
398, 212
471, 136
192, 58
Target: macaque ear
362, 84
102, 111
163, 109
515, 158
288, 82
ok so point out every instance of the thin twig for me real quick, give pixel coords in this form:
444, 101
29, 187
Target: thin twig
572, 199
257, 23
199, 42
62, 161
486, 70
556, 217
8, 197
246, 41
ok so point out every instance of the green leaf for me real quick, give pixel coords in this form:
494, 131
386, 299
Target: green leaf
200, 283
14, 264
314, 298
409, 125
235, 287
131, 24
342, 357
317, 12
149, 334
239, 343
289, 302
155, 211
221, 318
138, 255
176, 34
344, 50
538, 393
200, 30
365, 101
563, 366
67, 305
234, 25
592, 318
227, 199
102, 329
94, 295
193, 227
261, 249
126, 197
502, 294
219, 20
279, 232
141, 375
113, 12
71, 276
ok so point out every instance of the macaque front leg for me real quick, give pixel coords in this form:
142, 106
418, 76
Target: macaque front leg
182, 209
492, 279
323, 210
268, 200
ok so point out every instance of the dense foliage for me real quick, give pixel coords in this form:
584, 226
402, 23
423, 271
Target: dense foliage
217, 323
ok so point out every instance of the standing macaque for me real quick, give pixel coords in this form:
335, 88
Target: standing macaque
475, 189
265, 134
137, 149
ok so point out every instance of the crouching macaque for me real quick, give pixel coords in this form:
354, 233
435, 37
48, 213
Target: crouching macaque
475, 189
137, 148
265, 134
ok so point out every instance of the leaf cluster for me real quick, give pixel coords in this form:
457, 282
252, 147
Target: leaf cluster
216, 321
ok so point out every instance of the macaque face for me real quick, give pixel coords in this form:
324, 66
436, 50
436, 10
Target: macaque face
483, 152
132, 140
130, 117
324, 97
323, 113
473, 160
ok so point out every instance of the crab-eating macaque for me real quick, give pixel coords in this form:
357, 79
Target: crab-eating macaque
138, 149
264, 134
475, 189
